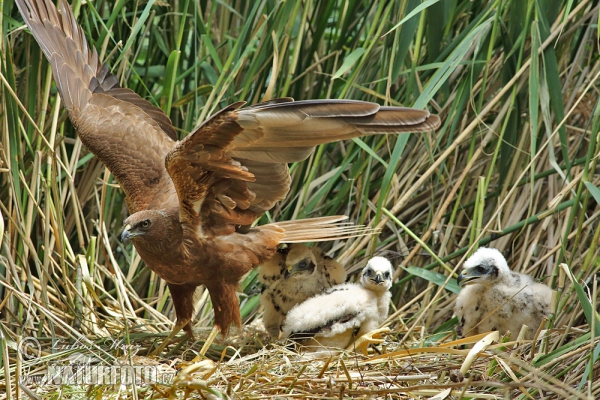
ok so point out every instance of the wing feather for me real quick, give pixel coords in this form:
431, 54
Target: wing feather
204, 173
236, 161
114, 123
232, 168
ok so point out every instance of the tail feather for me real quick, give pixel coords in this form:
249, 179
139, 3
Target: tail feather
321, 229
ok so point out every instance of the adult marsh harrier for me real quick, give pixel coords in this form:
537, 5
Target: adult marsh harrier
192, 201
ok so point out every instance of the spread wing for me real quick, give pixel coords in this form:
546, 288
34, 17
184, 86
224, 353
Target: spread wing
211, 185
129, 135
233, 167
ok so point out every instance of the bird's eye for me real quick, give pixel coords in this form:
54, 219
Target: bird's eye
479, 269
305, 265
146, 223
369, 272
386, 275
284, 249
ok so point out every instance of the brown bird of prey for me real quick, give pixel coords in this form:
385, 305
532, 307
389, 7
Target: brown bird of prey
494, 298
193, 201
295, 273
343, 313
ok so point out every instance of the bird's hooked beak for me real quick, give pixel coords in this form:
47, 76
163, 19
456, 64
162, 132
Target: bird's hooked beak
378, 278
126, 235
288, 271
291, 270
468, 275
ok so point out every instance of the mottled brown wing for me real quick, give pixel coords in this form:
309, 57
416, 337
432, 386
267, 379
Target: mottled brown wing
211, 185
233, 167
127, 133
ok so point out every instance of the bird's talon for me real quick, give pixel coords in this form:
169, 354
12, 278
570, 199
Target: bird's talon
209, 340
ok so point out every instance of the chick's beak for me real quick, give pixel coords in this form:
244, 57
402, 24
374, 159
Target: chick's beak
126, 235
378, 279
464, 278
461, 278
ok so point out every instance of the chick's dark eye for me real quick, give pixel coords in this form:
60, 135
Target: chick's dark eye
302, 264
479, 269
386, 275
369, 272
146, 223
283, 249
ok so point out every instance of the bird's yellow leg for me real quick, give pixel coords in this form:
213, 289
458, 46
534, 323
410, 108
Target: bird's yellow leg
362, 343
164, 344
211, 338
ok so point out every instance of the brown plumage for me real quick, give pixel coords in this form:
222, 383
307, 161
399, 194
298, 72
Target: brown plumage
193, 200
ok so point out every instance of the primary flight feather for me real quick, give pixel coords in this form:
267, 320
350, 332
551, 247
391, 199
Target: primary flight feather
192, 201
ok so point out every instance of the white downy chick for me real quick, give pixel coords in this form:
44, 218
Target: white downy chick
495, 298
343, 313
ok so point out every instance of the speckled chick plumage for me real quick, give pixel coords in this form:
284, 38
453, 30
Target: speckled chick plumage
344, 312
294, 274
495, 298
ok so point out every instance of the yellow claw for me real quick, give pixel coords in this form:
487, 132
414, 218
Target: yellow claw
362, 343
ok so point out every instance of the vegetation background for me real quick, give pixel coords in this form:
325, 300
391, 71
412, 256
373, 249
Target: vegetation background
514, 166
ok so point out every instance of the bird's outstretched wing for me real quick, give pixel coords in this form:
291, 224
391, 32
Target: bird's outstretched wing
211, 185
130, 136
233, 167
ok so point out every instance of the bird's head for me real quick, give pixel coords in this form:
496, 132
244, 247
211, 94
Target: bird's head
378, 274
485, 266
299, 260
151, 229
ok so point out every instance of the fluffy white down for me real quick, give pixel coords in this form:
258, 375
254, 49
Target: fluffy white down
369, 311
344, 312
378, 265
484, 254
504, 304
281, 293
